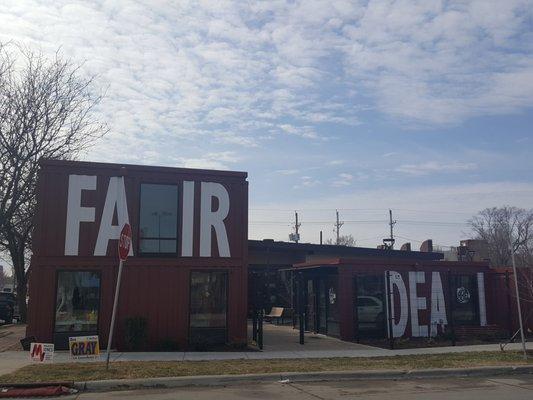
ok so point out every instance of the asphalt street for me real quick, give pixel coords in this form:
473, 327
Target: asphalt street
508, 388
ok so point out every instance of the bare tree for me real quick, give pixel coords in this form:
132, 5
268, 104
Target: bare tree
497, 226
501, 226
344, 240
46, 111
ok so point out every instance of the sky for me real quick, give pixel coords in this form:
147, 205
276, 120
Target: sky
422, 107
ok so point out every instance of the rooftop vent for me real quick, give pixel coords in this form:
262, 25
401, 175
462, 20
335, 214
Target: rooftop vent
427, 246
406, 247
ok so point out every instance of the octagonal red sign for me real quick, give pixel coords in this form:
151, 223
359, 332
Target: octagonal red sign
124, 242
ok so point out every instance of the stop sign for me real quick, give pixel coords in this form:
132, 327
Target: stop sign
124, 242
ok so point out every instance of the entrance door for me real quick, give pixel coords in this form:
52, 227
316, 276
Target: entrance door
370, 306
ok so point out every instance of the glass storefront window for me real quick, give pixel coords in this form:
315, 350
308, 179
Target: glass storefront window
208, 299
333, 323
77, 301
465, 300
158, 219
370, 306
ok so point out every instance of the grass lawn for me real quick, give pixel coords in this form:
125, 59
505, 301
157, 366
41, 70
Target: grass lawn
68, 372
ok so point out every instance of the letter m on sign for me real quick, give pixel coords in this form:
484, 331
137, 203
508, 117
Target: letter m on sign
37, 352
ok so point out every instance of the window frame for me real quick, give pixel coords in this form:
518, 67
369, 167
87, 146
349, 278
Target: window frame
225, 271
474, 297
60, 270
179, 218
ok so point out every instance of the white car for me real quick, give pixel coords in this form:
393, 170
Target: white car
369, 309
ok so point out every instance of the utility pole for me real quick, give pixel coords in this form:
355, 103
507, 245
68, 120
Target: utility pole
391, 223
511, 247
296, 228
338, 225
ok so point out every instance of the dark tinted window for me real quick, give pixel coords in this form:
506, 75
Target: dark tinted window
7, 297
208, 299
465, 300
369, 310
159, 218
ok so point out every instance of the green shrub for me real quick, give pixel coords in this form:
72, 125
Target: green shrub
136, 333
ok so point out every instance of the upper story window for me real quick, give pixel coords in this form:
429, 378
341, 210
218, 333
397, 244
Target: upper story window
158, 219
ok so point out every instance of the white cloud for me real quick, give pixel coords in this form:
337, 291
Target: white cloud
439, 63
343, 179
431, 167
209, 161
303, 131
336, 162
307, 182
288, 171
189, 70
184, 79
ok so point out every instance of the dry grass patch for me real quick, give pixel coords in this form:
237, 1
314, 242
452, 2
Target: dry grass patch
67, 372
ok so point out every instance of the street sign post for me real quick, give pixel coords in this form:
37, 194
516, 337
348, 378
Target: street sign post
124, 244
511, 248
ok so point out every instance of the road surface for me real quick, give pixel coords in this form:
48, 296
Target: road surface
508, 388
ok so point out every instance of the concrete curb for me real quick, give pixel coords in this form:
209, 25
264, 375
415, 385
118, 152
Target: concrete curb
225, 380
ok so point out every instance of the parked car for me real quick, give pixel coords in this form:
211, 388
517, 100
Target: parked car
369, 309
7, 307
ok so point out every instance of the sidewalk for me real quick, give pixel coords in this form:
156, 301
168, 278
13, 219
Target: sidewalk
10, 336
12, 360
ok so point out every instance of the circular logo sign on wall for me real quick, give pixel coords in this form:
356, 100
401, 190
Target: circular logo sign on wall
463, 295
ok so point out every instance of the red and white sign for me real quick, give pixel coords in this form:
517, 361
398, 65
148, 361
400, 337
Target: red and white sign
42, 352
124, 242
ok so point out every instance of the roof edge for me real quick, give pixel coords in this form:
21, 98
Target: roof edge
44, 162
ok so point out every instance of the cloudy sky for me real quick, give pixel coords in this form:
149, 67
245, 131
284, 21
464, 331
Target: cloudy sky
425, 107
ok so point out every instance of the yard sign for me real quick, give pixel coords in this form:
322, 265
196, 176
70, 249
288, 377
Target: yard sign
84, 347
42, 352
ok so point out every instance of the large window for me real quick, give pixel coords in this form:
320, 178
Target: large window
333, 305
369, 307
77, 301
158, 219
465, 300
208, 308
208, 299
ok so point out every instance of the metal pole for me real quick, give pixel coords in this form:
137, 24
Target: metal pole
451, 297
390, 299
260, 331
356, 310
113, 315
518, 299
301, 308
338, 225
509, 314
254, 325
297, 227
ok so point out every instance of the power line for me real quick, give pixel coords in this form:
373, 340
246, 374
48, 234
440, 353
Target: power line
407, 222
366, 209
